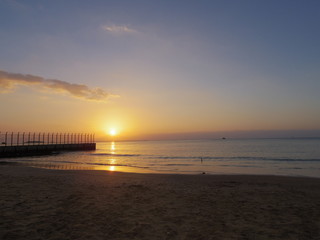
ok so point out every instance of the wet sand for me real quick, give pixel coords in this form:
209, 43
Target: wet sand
53, 204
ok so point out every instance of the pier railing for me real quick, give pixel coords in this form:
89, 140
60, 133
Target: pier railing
33, 138
22, 144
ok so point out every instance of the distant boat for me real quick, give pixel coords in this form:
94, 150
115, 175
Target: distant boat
223, 138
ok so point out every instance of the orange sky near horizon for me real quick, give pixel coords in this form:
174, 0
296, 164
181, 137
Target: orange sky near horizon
72, 115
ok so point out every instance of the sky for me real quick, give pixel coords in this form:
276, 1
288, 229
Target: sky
154, 69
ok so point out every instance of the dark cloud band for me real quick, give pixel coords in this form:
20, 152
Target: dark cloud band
8, 81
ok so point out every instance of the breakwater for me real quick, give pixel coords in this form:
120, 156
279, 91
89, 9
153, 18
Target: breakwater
30, 144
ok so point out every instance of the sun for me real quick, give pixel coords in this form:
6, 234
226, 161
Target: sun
112, 132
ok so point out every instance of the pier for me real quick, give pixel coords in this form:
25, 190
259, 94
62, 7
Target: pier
31, 144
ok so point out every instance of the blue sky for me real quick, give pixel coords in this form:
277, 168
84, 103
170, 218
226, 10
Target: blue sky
178, 66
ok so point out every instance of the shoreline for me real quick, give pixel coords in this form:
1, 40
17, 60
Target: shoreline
106, 170
53, 204
137, 170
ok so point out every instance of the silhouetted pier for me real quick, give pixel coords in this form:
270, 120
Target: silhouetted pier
30, 144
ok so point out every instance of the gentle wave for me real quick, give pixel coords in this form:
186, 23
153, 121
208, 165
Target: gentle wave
176, 164
114, 155
194, 158
33, 162
282, 157
117, 165
236, 158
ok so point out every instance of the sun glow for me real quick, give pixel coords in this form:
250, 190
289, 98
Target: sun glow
112, 132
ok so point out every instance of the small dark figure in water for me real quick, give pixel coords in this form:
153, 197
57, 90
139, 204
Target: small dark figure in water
201, 160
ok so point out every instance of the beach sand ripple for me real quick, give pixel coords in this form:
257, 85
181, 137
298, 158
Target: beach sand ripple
51, 204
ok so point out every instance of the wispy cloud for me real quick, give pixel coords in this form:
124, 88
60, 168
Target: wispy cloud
119, 29
9, 81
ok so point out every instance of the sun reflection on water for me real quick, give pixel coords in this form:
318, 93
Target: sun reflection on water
113, 148
113, 161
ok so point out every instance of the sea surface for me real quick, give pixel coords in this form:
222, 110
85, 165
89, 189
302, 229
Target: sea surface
290, 157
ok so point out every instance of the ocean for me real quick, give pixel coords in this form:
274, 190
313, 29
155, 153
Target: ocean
288, 157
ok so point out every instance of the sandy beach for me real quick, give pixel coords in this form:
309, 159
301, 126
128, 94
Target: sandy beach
53, 204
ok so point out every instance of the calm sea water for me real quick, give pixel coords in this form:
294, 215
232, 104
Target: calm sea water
293, 157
